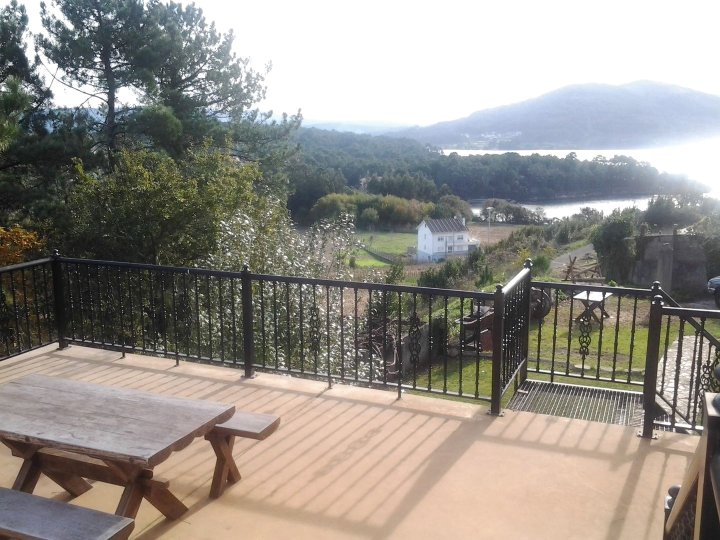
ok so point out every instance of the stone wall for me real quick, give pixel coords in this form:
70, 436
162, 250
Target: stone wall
677, 261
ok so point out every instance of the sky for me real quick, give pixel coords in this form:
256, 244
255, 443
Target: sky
420, 62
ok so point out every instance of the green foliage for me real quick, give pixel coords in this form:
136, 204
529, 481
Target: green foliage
308, 184
507, 212
20, 85
95, 44
14, 63
541, 265
445, 276
708, 229
190, 68
151, 209
450, 206
406, 185
391, 211
13, 103
668, 211
368, 218
615, 253
362, 156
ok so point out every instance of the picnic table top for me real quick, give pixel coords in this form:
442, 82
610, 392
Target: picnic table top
592, 296
102, 421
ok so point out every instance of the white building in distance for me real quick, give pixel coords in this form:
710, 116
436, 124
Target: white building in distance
443, 238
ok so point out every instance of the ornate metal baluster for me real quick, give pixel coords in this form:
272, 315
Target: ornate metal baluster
584, 339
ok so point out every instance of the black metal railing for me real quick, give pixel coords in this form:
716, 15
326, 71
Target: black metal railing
682, 354
512, 315
597, 334
370, 333
373, 334
27, 316
460, 343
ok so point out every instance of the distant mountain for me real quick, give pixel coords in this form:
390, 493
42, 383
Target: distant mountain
590, 116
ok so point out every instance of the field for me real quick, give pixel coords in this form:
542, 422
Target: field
397, 244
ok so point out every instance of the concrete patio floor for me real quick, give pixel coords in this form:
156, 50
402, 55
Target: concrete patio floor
355, 463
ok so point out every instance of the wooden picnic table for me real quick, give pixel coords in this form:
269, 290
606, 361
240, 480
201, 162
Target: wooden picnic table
71, 431
593, 301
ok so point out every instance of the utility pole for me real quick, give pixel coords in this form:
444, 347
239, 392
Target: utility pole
489, 211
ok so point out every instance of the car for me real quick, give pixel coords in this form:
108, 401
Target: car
713, 287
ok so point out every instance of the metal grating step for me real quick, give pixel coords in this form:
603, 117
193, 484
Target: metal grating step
579, 402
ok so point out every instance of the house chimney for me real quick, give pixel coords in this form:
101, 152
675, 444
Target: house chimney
463, 221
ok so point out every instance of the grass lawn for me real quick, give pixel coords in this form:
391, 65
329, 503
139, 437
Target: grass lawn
389, 242
363, 259
476, 371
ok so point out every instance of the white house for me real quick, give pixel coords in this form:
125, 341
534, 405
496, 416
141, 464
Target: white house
442, 238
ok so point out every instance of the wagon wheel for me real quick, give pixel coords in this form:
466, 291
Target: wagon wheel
540, 304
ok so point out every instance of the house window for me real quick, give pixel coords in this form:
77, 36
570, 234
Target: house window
449, 249
459, 237
440, 238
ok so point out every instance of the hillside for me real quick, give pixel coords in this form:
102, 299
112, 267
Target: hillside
592, 116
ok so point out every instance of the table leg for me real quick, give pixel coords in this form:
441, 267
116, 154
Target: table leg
587, 312
161, 498
226, 471
139, 484
130, 500
28, 476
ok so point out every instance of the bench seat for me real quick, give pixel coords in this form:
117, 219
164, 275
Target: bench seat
27, 516
248, 425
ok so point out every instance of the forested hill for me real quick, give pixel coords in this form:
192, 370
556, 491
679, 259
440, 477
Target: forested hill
333, 162
591, 116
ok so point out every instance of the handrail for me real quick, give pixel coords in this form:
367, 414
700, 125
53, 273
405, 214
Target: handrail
22, 266
676, 309
572, 287
510, 285
281, 279
388, 287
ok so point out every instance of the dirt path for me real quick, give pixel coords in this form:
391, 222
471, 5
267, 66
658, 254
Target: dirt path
559, 263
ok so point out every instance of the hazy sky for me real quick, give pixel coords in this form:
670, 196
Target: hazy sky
420, 62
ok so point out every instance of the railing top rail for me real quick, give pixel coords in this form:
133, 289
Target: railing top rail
522, 274
156, 267
691, 312
573, 287
429, 291
20, 266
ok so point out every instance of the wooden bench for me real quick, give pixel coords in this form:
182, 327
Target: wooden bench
249, 425
27, 516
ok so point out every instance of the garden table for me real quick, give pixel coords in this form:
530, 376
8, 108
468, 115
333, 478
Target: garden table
71, 430
593, 301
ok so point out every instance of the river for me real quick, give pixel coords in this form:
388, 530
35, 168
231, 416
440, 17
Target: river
698, 160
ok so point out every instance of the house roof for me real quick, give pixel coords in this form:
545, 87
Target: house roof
445, 225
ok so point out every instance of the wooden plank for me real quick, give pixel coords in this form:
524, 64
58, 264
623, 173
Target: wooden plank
250, 425
30, 517
118, 424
